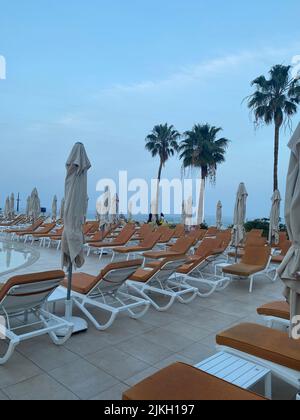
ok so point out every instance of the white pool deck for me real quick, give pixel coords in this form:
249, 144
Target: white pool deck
101, 365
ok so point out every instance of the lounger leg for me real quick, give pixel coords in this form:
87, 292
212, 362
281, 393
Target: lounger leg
13, 342
251, 284
268, 386
98, 326
144, 295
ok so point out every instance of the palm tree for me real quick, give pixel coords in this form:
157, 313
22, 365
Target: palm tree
275, 101
201, 149
162, 142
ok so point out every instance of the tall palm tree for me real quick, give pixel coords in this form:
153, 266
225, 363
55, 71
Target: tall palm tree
202, 149
162, 142
275, 101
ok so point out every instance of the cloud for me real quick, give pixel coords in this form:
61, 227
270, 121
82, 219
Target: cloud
199, 72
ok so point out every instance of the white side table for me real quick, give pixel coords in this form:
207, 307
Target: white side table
237, 371
220, 266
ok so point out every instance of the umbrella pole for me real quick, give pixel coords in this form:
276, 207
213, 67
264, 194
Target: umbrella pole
79, 324
69, 299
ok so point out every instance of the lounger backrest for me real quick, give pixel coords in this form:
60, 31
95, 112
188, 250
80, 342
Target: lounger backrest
255, 232
255, 241
179, 231
145, 230
168, 268
150, 240
114, 275
47, 228
35, 225
285, 247
166, 235
257, 255
183, 245
212, 231
125, 235
207, 246
27, 292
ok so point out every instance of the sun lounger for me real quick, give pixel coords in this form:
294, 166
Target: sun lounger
108, 294
120, 241
22, 306
276, 313
179, 231
150, 282
147, 244
56, 238
29, 229
167, 235
212, 232
40, 234
181, 247
255, 262
256, 241
192, 271
267, 347
181, 382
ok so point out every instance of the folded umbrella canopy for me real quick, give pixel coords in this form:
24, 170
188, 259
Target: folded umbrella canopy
28, 206
115, 209
7, 208
219, 216
275, 219
238, 231
291, 264
54, 208
12, 206
62, 209
76, 197
35, 205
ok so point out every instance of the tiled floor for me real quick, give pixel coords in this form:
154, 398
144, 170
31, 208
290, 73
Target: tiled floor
101, 365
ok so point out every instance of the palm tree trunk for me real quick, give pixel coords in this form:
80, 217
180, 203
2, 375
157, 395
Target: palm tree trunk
200, 217
157, 187
276, 156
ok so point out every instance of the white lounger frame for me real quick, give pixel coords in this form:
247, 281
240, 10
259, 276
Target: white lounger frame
289, 376
163, 283
30, 300
111, 296
197, 276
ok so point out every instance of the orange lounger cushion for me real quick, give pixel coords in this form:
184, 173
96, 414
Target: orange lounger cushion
180, 382
265, 343
275, 309
242, 270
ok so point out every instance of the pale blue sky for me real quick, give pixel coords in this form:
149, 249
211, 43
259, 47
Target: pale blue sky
104, 72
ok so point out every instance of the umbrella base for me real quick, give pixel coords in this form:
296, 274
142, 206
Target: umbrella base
79, 325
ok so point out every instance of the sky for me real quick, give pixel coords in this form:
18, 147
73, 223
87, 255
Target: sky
104, 72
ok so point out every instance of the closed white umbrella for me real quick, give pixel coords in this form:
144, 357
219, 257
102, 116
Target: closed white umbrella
219, 216
130, 215
275, 218
54, 208
7, 208
76, 197
28, 205
239, 218
35, 204
62, 209
12, 206
291, 264
114, 211
183, 213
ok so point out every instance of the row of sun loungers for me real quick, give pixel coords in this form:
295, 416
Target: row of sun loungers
246, 343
